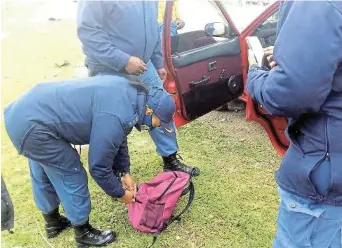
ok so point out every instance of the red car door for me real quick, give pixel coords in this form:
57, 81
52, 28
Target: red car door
207, 70
264, 27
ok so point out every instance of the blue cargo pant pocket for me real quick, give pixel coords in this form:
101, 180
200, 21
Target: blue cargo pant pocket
296, 224
49, 148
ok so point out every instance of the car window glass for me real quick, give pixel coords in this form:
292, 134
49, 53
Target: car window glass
243, 12
267, 30
197, 14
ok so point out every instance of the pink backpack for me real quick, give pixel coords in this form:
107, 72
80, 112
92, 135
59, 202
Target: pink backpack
156, 200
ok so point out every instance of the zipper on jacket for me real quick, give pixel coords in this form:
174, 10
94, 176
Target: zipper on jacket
326, 156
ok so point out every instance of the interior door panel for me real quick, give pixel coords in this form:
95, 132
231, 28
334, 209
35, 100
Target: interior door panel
219, 49
208, 77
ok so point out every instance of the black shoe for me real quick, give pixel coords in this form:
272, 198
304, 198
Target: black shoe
174, 164
55, 223
86, 235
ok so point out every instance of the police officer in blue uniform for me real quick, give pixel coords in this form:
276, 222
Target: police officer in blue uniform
99, 111
123, 37
305, 85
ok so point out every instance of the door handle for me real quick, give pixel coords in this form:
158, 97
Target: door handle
222, 74
195, 84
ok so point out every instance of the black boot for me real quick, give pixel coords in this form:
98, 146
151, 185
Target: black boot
55, 223
174, 164
86, 235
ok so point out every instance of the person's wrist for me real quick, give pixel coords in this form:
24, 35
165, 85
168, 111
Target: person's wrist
126, 174
120, 195
128, 59
121, 174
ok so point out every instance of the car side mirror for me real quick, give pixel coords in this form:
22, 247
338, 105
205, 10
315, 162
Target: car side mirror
217, 29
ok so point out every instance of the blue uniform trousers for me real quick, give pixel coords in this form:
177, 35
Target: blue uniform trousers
304, 224
57, 174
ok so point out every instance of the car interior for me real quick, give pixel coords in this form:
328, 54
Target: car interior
266, 32
208, 69
207, 64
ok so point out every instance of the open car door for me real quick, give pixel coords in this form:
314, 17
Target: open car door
207, 63
264, 27
203, 59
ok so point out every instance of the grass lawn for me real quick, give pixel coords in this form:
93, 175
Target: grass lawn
235, 203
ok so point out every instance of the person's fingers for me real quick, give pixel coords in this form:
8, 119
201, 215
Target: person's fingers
270, 48
138, 72
141, 68
270, 58
268, 53
142, 65
161, 75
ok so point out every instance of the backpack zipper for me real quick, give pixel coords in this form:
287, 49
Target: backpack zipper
167, 188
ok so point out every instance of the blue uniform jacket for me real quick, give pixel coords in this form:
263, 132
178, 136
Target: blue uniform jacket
99, 111
112, 31
306, 87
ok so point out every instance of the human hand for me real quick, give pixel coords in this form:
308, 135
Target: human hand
268, 59
180, 23
127, 198
162, 74
135, 66
128, 183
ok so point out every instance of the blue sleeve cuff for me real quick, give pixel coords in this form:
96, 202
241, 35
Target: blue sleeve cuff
158, 63
121, 61
123, 170
121, 193
253, 80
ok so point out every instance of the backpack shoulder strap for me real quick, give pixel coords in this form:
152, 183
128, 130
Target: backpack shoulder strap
191, 198
177, 217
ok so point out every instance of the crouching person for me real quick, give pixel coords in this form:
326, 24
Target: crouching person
99, 111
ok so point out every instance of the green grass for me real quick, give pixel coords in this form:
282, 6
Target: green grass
235, 204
